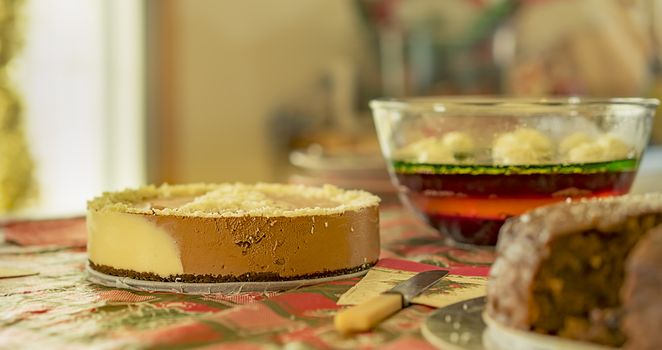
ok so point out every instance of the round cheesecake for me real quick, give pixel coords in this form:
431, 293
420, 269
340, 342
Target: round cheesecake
232, 232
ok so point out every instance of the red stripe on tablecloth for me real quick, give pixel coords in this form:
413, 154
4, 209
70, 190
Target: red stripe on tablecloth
60, 232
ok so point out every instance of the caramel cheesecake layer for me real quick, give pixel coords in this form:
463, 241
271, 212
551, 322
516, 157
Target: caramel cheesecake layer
233, 232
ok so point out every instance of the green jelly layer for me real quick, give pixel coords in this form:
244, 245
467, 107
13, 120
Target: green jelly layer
623, 165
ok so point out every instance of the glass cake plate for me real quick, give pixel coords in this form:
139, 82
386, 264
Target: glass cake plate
208, 288
465, 326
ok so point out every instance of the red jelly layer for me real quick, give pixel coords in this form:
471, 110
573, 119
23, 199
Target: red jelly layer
471, 208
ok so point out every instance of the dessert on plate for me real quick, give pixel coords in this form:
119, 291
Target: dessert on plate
232, 232
582, 270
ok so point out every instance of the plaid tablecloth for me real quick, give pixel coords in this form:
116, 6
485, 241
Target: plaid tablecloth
59, 308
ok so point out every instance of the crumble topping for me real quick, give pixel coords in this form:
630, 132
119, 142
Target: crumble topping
231, 200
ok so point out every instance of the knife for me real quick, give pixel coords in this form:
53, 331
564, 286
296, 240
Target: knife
363, 317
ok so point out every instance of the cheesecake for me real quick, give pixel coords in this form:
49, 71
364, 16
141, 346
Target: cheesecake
212, 233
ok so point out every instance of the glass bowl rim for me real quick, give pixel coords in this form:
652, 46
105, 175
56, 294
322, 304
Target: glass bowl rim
440, 103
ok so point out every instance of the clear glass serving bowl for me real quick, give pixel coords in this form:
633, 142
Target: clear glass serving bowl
466, 164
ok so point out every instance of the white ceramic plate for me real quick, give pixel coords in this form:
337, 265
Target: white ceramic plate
466, 326
500, 337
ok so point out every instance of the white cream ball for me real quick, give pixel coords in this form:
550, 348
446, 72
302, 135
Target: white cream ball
614, 148
523, 146
604, 148
458, 143
572, 141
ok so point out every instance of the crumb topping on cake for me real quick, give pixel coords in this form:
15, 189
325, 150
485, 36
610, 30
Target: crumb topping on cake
234, 200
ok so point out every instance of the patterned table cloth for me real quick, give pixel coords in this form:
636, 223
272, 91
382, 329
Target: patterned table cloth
59, 309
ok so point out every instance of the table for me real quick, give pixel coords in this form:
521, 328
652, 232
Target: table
59, 308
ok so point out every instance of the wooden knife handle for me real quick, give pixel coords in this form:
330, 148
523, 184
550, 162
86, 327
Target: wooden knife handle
363, 317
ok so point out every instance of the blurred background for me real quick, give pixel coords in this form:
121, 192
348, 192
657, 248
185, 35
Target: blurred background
99, 95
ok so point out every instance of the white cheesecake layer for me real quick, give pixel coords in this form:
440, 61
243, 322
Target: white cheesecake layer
126, 241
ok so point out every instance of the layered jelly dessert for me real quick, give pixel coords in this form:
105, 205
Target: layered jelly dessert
467, 192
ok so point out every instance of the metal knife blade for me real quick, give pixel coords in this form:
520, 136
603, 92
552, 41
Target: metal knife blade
363, 317
417, 284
